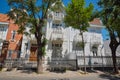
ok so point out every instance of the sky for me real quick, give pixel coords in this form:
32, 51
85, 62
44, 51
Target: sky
4, 8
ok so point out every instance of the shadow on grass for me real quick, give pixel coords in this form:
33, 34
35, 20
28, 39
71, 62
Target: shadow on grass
92, 71
107, 73
57, 70
108, 76
28, 71
34, 70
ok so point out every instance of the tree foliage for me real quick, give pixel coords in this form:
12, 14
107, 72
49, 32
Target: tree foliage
32, 13
25, 12
110, 15
78, 17
58, 6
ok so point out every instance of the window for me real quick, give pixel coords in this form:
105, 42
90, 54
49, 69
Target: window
26, 45
48, 59
57, 14
53, 24
94, 53
56, 45
0, 51
79, 46
13, 35
26, 56
98, 31
52, 46
56, 25
10, 53
92, 30
1, 31
94, 50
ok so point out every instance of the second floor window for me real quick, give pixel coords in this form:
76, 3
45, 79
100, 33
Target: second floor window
10, 53
13, 35
94, 50
0, 51
56, 25
57, 14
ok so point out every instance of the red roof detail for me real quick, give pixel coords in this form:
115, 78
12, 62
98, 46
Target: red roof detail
4, 18
96, 21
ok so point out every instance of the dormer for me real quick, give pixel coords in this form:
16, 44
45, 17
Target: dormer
95, 26
56, 12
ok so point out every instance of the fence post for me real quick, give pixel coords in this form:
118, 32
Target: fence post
102, 63
76, 63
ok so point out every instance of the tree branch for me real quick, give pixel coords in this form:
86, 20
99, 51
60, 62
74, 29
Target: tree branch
45, 13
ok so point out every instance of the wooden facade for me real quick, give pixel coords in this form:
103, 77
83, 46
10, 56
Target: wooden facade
4, 51
33, 52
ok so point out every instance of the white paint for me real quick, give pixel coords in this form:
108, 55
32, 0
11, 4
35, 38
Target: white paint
68, 36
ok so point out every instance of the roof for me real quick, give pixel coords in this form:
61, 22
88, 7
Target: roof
4, 18
96, 21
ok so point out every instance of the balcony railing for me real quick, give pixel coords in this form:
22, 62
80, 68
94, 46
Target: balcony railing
56, 35
96, 39
58, 16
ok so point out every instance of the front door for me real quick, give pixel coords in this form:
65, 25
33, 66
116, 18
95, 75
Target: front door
33, 53
57, 51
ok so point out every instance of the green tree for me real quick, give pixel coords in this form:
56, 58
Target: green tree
110, 15
34, 14
78, 16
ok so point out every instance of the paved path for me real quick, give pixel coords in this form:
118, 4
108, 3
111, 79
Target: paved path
69, 75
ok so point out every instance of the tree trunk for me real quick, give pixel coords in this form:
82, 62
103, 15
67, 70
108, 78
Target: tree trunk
113, 50
39, 60
115, 67
38, 35
83, 51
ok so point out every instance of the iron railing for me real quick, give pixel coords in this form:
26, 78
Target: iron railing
91, 61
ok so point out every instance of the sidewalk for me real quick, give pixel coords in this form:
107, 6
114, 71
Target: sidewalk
26, 73
68, 75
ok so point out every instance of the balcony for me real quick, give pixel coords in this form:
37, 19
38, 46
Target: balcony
96, 39
57, 18
56, 36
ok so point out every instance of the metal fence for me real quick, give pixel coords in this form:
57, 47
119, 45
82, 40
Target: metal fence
91, 61
97, 61
25, 63
69, 64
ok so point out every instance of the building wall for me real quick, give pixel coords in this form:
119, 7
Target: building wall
26, 46
4, 24
67, 36
91, 37
15, 43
